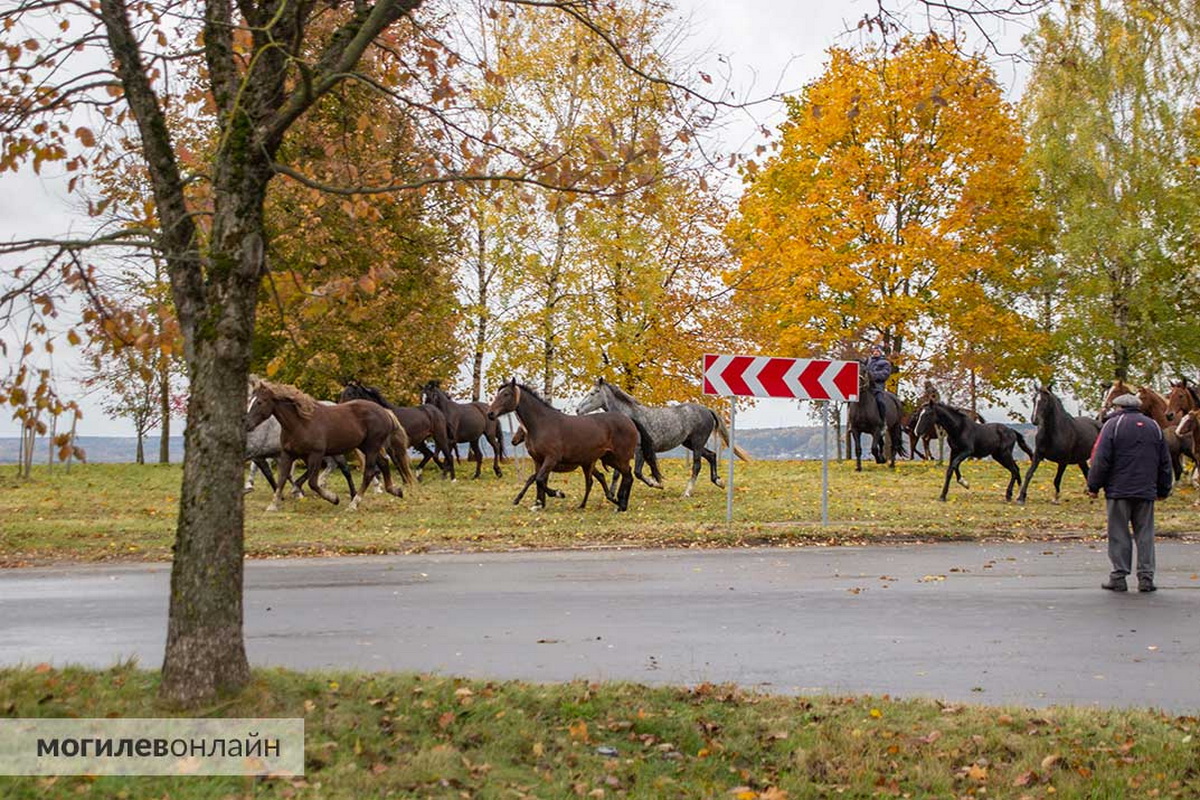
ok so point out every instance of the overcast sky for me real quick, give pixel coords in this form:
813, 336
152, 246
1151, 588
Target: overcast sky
766, 46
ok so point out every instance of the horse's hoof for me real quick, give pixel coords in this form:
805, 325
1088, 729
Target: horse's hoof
337, 499
536, 507
273, 507
687, 492
941, 499
247, 489
720, 484
964, 484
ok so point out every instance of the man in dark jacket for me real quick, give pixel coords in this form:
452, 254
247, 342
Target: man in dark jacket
1130, 461
879, 369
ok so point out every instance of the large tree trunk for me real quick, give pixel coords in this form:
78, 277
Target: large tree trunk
205, 653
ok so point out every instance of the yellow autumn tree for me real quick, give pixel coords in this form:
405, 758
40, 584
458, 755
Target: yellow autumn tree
896, 209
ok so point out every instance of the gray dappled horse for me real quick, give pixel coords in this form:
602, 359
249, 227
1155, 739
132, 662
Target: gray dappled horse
863, 417
687, 424
263, 443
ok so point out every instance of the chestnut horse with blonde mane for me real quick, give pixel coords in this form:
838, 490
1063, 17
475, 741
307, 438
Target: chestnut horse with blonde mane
311, 431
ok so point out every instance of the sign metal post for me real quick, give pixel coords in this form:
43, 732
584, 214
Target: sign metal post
819, 379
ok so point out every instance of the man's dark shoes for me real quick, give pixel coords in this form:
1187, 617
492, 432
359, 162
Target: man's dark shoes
1146, 585
1115, 585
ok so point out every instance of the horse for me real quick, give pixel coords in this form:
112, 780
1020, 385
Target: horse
687, 424
1155, 406
263, 443
559, 442
971, 439
1060, 438
864, 418
467, 423
420, 423
311, 431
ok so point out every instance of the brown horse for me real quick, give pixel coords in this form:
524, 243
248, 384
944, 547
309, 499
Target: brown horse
558, 442
311, 431
468, 422
1182, 398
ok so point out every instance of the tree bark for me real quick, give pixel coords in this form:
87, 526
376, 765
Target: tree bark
164, 411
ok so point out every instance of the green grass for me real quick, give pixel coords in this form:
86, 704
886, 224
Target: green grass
381, 735
111, 511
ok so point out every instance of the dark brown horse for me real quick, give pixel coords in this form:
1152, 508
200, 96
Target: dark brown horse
558, 442
421, 423
311, 431
468, 423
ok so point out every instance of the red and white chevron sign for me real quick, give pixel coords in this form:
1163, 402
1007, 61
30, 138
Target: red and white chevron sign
768, 376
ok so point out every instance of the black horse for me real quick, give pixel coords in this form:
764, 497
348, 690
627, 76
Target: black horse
970, 439
1061, 438
864, 418
421, 423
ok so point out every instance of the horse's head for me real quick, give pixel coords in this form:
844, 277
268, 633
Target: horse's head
1041, 402
352, 390
1115, 390
595, 399
430, 392
262, 405
518, 435
1189, 424
507, 398
1179, 400
926, 419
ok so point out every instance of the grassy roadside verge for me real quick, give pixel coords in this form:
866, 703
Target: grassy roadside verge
123, 511
377, 735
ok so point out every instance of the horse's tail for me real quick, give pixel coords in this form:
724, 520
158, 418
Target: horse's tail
1021, 443
724, 434
647, 446
397, 447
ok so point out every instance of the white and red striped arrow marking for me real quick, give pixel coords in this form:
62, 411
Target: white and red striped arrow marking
769, 376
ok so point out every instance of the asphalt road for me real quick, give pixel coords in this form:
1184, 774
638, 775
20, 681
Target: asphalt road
1024, 623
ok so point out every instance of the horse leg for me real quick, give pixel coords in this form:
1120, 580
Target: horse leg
1037, 459
426, 456
1006, 461
344, 468
1058, 481
477, 457
608, 493
543, 477
285, 468
587, 484
494, 441
857, 437
959, 478
388, 486
691, 484
313, 463
626, 486
955, 460
638, 463
525, 488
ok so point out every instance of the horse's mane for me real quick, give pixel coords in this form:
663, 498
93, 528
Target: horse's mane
305, 405
527, 390
374, 393
621, 394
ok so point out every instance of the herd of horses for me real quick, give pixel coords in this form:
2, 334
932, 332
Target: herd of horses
1061, 438
612, 429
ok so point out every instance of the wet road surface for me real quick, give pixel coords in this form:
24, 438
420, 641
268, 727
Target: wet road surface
1004, 623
